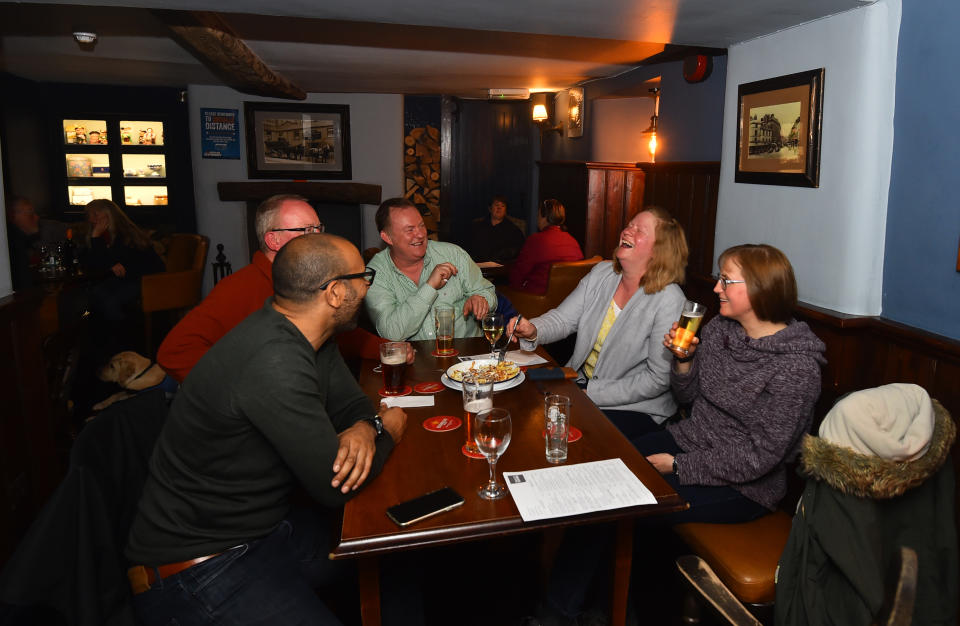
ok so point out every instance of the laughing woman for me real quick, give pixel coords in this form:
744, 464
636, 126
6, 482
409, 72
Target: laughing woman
619, 312
753, 379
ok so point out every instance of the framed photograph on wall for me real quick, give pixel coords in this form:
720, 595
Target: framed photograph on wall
778, 130
298, 140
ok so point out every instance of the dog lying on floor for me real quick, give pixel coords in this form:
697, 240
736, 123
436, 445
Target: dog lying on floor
133, 372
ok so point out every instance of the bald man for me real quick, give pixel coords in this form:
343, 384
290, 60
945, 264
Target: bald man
279, 220
270, 406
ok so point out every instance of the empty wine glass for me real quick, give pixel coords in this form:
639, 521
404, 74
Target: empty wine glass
492, 324
492, 433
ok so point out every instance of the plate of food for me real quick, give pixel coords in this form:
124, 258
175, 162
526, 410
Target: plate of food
505, 375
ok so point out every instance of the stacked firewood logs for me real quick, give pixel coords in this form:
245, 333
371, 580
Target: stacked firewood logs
421, 166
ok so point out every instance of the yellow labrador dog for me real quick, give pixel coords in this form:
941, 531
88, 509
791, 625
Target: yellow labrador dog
131, 371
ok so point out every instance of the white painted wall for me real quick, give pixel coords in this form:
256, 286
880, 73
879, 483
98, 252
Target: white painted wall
376, 144
6, 280
833, 235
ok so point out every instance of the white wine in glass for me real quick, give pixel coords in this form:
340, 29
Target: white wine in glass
492, 433
492, 324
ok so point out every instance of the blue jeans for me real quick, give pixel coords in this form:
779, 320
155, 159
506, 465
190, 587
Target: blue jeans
267, 581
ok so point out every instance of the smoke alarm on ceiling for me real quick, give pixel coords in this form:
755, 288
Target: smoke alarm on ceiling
508, 94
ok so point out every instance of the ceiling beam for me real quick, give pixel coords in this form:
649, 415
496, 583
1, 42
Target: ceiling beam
209, 38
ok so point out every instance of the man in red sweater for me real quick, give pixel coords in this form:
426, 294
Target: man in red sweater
279, 219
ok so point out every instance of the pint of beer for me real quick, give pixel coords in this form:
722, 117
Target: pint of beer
690, 319
393, 363
443, 319
477, 397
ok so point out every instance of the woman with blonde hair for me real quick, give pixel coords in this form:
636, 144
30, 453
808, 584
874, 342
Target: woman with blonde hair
619, 312
120, 252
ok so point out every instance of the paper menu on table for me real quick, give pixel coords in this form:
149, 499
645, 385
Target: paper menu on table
408, 401
575, 489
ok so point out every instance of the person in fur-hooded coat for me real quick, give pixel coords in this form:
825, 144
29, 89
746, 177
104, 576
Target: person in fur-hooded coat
879, 477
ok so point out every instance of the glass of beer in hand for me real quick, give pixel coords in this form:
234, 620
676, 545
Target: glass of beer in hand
393, 363
477, 397
690, 319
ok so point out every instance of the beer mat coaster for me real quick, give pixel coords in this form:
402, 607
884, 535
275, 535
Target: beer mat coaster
442, 423
454, 353
574, 434
471, 455
406, 391
429, 387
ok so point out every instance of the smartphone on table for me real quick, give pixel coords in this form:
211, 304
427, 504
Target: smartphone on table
422, 507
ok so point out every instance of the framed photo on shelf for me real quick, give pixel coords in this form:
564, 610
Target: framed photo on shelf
298, 140
778, 130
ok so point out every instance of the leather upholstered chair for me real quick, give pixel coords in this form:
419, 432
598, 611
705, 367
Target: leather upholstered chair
562, 279
178, 288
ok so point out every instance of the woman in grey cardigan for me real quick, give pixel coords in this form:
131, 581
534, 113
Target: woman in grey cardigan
620, 311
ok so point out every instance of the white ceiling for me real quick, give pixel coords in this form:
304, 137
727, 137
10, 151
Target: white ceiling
417, 46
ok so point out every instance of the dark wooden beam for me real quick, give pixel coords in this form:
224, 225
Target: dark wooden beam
209, 38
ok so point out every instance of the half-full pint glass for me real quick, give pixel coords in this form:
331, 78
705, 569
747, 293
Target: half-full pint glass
690, 319
477, 397
443, 318
393, 362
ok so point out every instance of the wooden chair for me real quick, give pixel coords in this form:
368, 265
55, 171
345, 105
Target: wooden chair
900, 592
178, 288
561, 280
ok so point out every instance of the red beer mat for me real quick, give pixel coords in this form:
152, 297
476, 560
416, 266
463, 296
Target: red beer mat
454, 353
471, 455
574, 434
442, 423
406, 391
429, 387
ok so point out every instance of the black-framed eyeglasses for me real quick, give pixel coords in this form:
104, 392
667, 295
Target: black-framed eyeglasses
306, 230
726, 282
367, 275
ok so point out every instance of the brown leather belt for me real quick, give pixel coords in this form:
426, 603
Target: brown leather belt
142, 577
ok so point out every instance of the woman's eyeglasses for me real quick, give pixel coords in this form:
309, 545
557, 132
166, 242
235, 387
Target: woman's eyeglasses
726, 282
367, 275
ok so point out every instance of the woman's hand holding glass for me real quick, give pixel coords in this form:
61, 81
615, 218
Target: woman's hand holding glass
682, 364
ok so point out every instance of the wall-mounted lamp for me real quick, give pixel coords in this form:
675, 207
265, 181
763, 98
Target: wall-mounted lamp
652, 129
542, 108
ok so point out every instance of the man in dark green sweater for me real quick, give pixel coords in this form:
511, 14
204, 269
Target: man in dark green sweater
271, 405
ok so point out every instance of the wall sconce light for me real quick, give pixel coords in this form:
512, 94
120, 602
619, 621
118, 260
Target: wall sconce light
575, 112
542, 108
652, 129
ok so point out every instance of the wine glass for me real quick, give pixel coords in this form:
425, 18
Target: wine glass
492, 434
492, 329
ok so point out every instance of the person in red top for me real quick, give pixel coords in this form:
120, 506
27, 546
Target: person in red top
279, 219
552, 244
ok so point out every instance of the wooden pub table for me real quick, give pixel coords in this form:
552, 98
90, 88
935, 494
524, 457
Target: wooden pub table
424, 461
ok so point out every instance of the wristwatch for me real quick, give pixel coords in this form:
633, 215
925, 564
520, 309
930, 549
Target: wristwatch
675, 466
376, 422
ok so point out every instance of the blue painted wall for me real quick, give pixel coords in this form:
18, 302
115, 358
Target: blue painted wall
691, 116
921, 286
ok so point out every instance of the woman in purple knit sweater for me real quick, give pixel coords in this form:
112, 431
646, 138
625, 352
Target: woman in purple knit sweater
753, 378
